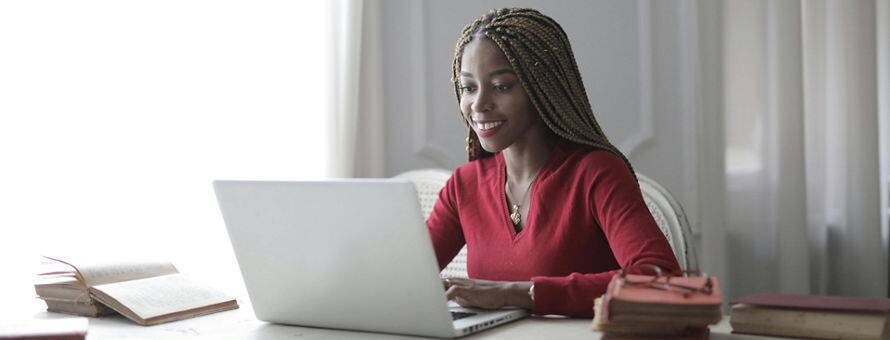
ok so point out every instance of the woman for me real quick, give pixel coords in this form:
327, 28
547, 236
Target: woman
548, 208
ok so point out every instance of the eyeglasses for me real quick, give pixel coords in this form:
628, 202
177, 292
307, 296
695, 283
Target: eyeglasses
662, 281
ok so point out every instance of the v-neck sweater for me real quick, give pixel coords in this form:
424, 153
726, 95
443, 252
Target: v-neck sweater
586, 220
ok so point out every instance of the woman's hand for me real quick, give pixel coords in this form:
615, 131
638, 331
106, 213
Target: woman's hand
488, 294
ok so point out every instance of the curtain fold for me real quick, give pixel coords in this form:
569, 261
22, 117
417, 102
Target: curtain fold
370, 156
357, 137
802, 148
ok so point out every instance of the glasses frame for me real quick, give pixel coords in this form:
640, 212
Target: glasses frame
663, 281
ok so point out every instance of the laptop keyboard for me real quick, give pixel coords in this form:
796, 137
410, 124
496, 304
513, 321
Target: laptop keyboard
460, 315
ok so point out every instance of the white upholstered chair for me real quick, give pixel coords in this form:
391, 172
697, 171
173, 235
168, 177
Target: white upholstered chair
671, 218
428, 183
665, 209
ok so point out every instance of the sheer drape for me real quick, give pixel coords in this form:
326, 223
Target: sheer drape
357, 138
800, 94
115, 118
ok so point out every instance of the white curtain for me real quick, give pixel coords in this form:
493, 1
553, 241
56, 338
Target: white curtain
803, 175
357, 136
115, 118
883, 38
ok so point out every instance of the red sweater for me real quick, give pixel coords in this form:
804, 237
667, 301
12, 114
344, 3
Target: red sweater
587, 219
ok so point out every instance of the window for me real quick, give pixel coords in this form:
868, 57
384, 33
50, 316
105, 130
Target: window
115, 117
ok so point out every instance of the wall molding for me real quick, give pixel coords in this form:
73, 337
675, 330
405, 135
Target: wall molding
644, 50
690, 86
423, 128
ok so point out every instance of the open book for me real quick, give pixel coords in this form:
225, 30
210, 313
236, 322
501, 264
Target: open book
146, 292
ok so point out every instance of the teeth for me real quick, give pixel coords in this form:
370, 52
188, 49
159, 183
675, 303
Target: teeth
489, 125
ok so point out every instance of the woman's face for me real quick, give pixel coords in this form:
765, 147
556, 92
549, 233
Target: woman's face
492, 99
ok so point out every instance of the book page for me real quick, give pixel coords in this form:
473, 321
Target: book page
57, 281
161, 295
103, 271
52, 267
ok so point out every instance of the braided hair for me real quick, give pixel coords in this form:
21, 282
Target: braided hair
538, 50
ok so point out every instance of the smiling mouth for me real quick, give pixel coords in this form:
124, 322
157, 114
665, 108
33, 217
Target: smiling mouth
487, 126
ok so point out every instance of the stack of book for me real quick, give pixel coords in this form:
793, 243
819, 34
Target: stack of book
640, 306
59, 287
146, 292
812, 317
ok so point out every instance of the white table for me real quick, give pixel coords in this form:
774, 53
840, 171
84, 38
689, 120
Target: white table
241, 324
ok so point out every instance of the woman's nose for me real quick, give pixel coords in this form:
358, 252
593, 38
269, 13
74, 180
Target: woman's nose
483, 102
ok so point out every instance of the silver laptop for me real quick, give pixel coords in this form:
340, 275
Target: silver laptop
346, 254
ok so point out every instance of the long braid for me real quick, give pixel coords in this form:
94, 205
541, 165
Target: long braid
541, 56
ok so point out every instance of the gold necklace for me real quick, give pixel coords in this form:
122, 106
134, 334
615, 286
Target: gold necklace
515, 216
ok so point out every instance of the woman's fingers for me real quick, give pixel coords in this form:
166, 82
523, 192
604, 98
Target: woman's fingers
462, 295
454, 291
469, 294
451, 281
459, 281
464, 302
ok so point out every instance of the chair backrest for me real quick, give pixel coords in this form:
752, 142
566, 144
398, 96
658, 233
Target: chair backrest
428, 183
671, 219
666, 211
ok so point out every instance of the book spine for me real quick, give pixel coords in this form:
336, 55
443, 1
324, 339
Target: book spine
806, 323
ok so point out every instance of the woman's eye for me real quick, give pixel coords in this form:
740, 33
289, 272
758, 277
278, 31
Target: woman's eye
467, 89
501, 87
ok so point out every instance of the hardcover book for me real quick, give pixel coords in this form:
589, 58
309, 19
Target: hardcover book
663, 307
146, 292
811, 316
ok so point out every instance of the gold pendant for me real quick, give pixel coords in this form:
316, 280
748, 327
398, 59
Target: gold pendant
514, 215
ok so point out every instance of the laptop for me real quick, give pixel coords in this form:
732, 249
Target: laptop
343, 254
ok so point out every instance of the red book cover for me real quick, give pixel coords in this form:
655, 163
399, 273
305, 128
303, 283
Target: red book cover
817, 302
661, 290
45, 329
644, 293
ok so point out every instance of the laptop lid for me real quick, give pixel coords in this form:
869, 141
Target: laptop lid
347, 254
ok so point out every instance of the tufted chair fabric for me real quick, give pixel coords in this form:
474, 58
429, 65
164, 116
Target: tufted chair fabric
428, 183
671, 219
